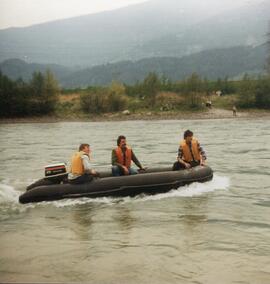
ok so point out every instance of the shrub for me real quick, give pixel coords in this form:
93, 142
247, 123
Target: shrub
262, 93
246, 97
102, 100
168, 101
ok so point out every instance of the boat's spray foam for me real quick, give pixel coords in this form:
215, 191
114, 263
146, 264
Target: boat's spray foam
8, 194
194, 189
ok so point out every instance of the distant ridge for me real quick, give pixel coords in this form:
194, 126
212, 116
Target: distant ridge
17, 68
217, 63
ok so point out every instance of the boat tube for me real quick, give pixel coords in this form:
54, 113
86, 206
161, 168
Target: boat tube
151, 181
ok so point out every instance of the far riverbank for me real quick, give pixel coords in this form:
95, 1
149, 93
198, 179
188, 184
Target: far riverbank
214, 113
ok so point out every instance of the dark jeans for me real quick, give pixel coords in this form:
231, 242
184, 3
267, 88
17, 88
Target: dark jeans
118, 171
81, 179
178, 166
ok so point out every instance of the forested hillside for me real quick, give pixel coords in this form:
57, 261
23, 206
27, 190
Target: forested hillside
212, 64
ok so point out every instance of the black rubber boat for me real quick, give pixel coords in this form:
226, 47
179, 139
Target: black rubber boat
152, 181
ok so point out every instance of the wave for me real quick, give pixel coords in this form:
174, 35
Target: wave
194, 189
8, 194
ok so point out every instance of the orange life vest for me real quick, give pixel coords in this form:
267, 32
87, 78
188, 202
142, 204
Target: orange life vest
120, 156
77, 164
187, 155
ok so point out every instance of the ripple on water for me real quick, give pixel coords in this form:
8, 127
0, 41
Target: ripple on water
238, 223
174, 231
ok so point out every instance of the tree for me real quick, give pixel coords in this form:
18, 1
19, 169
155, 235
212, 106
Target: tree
15, 98
6, 95
262, 93
102, 100
193, 91
268, 44
227, 87
246, 97
44, 90
116, 97
166, 84
150, 87
51, 91
94, 101
37, 84
206, 86
117, 88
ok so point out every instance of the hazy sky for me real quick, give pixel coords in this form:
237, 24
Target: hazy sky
18, 13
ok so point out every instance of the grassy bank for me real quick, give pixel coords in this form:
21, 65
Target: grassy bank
214, 113
69, 109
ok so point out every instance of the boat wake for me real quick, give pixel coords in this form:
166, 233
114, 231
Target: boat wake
9, 195
194, 189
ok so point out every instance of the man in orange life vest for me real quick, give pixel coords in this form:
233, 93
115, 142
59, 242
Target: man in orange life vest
190, 153
81, 171
122, 157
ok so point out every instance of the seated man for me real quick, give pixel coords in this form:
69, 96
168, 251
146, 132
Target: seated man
122, 157
80, 171
190, 153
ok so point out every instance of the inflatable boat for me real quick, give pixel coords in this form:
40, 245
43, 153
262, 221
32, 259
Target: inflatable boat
151, 181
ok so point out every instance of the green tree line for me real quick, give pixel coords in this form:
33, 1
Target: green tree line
38, 97
160, 93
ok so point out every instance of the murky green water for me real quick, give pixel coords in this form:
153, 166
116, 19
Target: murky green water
217, 232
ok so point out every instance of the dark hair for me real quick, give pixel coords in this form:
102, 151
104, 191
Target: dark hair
188, 133
82, 146
119, 139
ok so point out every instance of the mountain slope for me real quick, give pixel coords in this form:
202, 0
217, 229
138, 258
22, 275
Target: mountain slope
154, 28
244, 26
213, 64
17, 68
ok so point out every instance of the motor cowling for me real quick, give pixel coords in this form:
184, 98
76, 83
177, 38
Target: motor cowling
55, 170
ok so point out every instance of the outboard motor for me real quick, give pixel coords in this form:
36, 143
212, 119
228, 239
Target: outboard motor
55, 170
54, 174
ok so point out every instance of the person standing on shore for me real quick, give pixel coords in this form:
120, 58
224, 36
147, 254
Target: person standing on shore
81, 171
122, 156
190, 153
234, 110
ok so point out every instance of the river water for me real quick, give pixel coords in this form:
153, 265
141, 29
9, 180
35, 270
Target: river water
216, 232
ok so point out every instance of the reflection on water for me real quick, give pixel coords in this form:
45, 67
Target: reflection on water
200, 233
123, 216
83, 220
